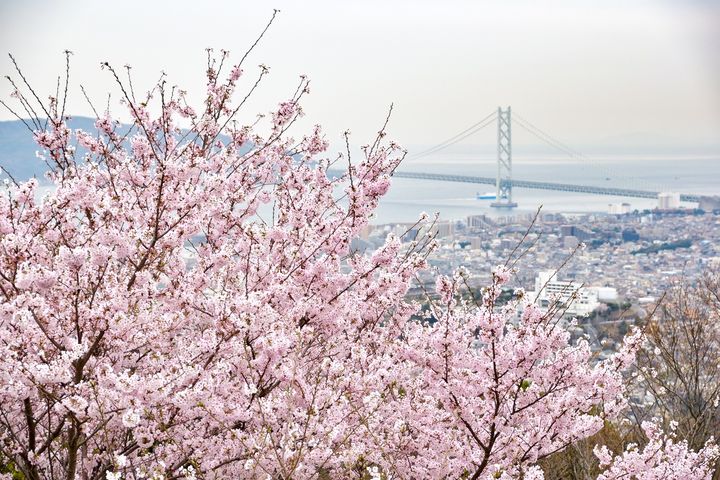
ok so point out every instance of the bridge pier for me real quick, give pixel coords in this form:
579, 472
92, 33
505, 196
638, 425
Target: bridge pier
503, 183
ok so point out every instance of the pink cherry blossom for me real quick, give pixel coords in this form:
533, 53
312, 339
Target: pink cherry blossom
185, 303
663, 457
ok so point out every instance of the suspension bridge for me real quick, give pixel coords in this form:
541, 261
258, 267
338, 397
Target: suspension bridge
504, 181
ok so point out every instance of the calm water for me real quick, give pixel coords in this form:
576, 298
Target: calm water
408, 197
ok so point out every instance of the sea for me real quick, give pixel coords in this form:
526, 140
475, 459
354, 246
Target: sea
408, 198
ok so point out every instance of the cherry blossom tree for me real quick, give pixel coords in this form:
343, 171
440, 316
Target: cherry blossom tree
662, 457
494, 389
185, 303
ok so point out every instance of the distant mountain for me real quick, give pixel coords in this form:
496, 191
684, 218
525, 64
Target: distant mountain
17, 147
652, 143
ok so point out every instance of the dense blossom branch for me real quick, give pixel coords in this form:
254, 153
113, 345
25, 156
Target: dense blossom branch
662, 457
186, 303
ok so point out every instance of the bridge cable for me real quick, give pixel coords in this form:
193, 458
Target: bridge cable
529, 127
548, 139
476, 127
469, 134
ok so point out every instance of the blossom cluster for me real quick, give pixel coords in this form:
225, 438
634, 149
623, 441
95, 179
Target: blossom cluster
662, 457
188, 303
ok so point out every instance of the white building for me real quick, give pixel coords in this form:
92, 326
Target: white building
668, 200
578, 300
618, 208
607, 294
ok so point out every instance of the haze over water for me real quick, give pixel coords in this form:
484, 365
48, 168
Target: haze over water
677, 173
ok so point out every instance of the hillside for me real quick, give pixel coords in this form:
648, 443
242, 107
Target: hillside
18, 149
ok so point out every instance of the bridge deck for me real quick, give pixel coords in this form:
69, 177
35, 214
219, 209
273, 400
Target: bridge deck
563, 187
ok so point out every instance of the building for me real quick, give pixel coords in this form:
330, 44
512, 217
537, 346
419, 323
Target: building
479, 221
668, 200
444, 228
365, 231
567, 231
630, 235
476, 243
573, 297
709, 203
575, 231
570, 241
607, 294
618, 208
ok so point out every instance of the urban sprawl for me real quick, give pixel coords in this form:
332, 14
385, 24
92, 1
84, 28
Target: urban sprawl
615, 265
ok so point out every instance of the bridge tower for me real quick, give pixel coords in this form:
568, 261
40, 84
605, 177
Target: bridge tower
503, 184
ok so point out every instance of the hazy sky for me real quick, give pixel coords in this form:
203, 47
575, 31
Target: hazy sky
585, 71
